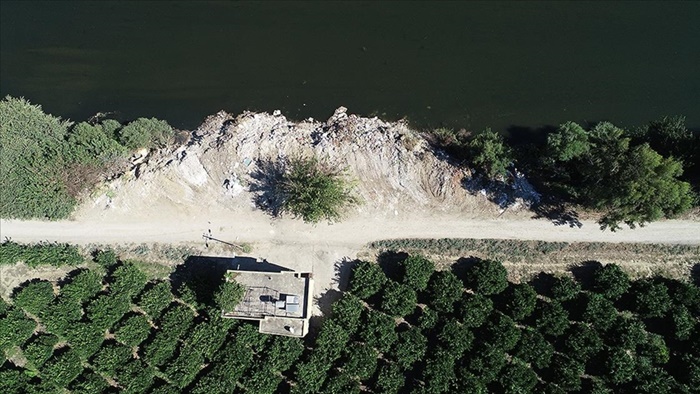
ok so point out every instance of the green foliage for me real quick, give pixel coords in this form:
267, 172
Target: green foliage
42, 253
566, 372
176, 321
670, 137
127, 280
626, 333
82, 286
146, 133
428, 318
183, 369
682, 323
599, 311
155, 299
367, 279
15, 329
90, 144
40, 349
417, 271
314, 191
110, 358
330, 341
650, 298
565, 288
582, 342
228, 295
454, 337
34, 297
611, 281
533, 348
474, 309
439, 372
519, 301
487, 277
207, 337
568, 142
550, 318
107, 309
379, 330
489, 154
85, 338
517, 377
133, 330
390, 379
347, 312
619, 366
501, 332
398, 299
486, 362
361, 360
62, 368
88, 382
60, 315
410, 347
106, 258
654, 348
444, 289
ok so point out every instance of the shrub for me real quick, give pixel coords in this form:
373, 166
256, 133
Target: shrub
347, 312
379, 331
533, 348
229, 294
599, 311
409, 348
611, 281
154, 300
501, 332
82, 286
550, 318
145, 133
133, 330
62, 368
565, 288
15, 329
34, 297
367, 279
110, 358
417, 271
474, 309
490, 154
398, 299
619, 366
444, 290
517, 378
40, 349
487, 277
519, 301
107, 309
127, 280
566, 372
314, 192
361, 361
455, 338
390, 379
183, 369
650, 298
42, 253
582, 342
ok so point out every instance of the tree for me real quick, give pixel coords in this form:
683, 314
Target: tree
85, 338
347, 311
176, 321
517, 377
410, 347
185, 366
34, 297
154, 300
107, 309
501, 332
626, 333
398, 299
229, 295
650, 298
654, 349
566, 372
62, 368
314, 191
490, 154
145, 133
428, 318
519, 301
487, 277
378, 331
568, 142
15, 329
455, 338
127, 280
473, 309
367, 279
110, 358
444, 289
88, 382
333, 337
133, 330
565, 288
390, 379
619, 366
682, 323
83, 285
417, 271
533, 348
40, 349
550, 318
610, 281
486, 361
439, 372
361, 361
599, 311
582, 342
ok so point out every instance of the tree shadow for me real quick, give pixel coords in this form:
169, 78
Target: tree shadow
542, 283
514, 190
463, 265
695, 274
559, 213
267, 177
390, 262
584, 271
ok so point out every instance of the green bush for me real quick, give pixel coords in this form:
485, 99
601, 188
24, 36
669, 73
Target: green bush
62, 368
110, 358
82, 286
519, 301
127, 280
487, 277
35, 297
367, 279
40, 349
410, 348
155, 299
347, 311
416, 271
444, 290
379, 331
133, 330
611, 281
474, 309
229, 294
490, 154
361, 361
314, 192
146, 133
15, 329
42, 253
398, 299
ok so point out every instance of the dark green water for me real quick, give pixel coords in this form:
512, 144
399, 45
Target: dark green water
457, 64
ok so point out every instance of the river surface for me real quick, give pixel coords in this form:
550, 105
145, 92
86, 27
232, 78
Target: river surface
457, 64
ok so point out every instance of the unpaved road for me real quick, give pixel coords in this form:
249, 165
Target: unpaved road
320, 248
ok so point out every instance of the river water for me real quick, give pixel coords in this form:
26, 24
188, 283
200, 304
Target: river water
457, 64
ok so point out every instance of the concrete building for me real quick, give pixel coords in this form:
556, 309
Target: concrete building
279, 299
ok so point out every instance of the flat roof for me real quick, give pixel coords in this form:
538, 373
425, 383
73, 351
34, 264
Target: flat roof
284, 326
271, 294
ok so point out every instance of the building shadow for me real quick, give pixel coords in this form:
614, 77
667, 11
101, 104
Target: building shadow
343, 270
326, 300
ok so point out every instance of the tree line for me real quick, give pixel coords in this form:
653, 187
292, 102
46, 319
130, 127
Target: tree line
400, 327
